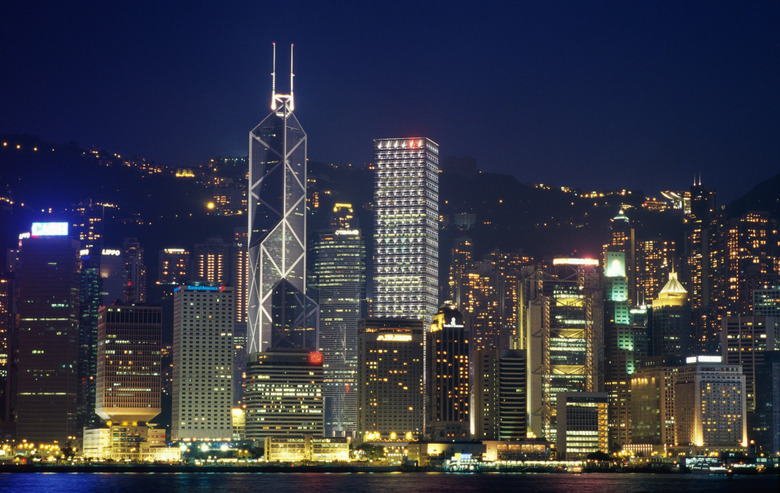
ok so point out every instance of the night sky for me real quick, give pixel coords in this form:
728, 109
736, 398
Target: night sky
588, 94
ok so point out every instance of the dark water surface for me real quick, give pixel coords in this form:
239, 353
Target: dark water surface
379, 482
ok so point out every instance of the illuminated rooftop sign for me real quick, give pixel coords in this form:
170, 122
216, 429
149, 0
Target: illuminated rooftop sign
575, 261
174, 250
111, 252
704, 359
49, 229
394, 337
201, 288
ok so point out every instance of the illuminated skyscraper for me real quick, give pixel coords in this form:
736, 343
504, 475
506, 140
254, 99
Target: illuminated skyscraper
280, 314
48, 337
448, 377
202, 363
284, 393
174, 266
102, 282
623, 239
339, 280
129, 362
135, 271
462, 260
406, 234
709, 405
500, 407
489, 299
670, 321
564, 337
654, 259
390, 379
212, 261
745, 341
619, 347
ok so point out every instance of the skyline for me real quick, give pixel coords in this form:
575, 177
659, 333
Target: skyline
579, 95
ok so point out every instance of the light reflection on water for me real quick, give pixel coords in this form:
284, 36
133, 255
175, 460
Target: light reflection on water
378, 482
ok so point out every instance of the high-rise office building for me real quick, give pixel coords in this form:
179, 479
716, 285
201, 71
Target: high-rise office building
129, 362
766, 301
448, 416
619, 348
750, 261
670, 321
135, 271
499, 389
623, 239
489, 298
406, 233
766, 425
202, 362
652, 406
284, 393
212, 261
709, 405
462, 260
745, 341
390, 379
654, 260
280, 314
564, 337
102, 282
7, 311
339, 281
240, 282
47, 336
174, 266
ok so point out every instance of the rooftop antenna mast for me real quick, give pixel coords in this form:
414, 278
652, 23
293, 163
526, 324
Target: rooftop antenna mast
273, 80
284, 99
292, 74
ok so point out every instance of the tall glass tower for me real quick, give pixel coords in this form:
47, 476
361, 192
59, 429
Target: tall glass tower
339, 279
279, 312
406, 236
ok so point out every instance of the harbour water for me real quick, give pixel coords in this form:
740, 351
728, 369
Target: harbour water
380, 482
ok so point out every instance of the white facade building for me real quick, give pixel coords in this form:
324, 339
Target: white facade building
202, 363
406, 236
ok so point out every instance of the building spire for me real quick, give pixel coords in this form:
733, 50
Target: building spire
276, 98
273, 79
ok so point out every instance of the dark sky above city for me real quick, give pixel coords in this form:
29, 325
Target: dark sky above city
594, 95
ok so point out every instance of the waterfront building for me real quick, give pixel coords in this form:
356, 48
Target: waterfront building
582, 424
306, 448
710, 404
284, 394
500, 394
129, 363
47, 336
390, 379
563, 337
765, 427
652, 407
202, 362
448, 377
339, 281
279, 312
406, 233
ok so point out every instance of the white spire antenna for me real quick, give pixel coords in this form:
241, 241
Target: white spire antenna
292, 74
273, 80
